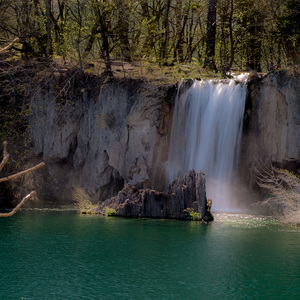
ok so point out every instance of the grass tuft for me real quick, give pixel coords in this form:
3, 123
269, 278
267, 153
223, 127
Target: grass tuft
83, 201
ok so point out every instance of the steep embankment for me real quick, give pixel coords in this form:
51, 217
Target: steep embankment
98, 135
273, 131
271, 143
101, 136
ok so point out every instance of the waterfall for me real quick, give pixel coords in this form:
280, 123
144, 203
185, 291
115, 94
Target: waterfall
206, 135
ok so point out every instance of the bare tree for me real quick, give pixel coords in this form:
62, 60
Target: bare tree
283, 188
14, 176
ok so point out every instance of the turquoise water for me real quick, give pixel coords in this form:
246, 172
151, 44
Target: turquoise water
64, 255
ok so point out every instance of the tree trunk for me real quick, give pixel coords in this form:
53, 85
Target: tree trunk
211, 35
91, 39
165, 38
48, 29
255, 43
123, 29
59, 26
104, 34
292, 54
231, 37
180, 26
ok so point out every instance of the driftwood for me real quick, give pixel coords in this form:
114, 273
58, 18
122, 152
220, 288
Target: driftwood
14, 176
15, 41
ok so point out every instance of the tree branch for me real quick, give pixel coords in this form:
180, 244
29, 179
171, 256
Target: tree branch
18, 206
15, 41
5, 156
14, 176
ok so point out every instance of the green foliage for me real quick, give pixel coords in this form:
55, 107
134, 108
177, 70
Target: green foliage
110, 212
190, 214
249, 32
289, 22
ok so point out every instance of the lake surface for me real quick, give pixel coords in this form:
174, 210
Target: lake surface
64, 255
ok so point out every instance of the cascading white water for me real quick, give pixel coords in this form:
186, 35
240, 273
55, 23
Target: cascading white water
206, 135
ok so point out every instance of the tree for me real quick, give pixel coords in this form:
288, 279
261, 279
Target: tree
123, 13
181, 20
283, 188
163, 53
255, 42
48, 29
14, 176
289, 28
211, 35
60, 20
102, 10
222, 34
226, 40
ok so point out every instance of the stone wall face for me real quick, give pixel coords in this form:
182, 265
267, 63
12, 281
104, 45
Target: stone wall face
101, 142
273, 133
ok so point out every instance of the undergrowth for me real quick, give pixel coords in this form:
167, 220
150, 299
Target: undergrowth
283, 192
83, 201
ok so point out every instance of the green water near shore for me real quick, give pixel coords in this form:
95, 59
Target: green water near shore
64, 255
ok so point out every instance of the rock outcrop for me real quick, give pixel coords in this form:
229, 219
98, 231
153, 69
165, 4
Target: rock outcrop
273, 129
102, 136
185, 197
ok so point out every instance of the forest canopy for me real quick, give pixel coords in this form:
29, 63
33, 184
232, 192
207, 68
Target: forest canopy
218, 34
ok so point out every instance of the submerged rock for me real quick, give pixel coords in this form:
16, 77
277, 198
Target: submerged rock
185, 196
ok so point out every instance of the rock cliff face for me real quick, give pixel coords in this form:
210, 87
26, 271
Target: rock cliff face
273, 132
104, 136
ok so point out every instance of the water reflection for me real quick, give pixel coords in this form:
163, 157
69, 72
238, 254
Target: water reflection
64, 255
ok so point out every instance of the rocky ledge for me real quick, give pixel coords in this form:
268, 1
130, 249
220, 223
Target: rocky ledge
185, 199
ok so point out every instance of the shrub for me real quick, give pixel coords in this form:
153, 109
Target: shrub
110, 212
283, 189
83, 201
191, 214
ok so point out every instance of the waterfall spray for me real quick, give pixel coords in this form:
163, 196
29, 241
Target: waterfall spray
206, 135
